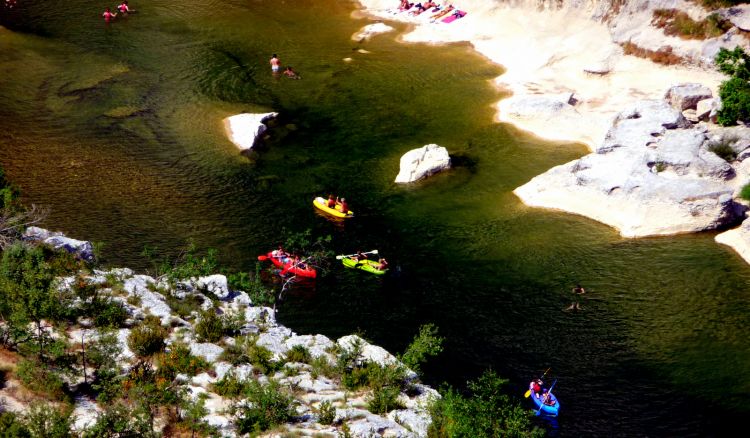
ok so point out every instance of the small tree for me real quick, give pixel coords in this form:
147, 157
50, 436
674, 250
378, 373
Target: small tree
734, 92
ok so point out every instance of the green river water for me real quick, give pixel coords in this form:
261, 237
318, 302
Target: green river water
117, 128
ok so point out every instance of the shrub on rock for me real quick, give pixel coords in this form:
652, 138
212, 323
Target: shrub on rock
148, 338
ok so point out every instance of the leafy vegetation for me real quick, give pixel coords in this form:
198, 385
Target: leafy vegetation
147, 338
724, 151
734, 92
679, 23
266, 406
326, 413
745, 192
486, 412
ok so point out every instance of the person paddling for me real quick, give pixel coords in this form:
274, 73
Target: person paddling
331, 202
344, 207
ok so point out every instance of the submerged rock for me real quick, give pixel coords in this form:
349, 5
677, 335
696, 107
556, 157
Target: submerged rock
245, 129
423, 162
371, 30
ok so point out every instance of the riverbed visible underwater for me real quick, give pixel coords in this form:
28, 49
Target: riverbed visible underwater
117, 128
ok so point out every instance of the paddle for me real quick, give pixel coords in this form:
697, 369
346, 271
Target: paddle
528, 392
339, 257
548, 395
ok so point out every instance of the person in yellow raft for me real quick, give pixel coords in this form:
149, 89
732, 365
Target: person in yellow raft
344, 207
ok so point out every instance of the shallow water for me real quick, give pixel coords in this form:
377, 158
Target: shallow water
118, 129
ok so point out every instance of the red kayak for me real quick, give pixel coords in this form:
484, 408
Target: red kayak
287, 264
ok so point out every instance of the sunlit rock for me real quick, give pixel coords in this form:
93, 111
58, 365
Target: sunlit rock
423, 162
245, 129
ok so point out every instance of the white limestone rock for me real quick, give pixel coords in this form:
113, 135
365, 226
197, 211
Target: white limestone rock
415, 421
245, 129
208, 351
687, 96
738, 239
648, 178
155, 303
705, 109
420, 163
370, 353
371, 30
57, 240
317, 345
216, 284
738, 15
85, 413
275, 341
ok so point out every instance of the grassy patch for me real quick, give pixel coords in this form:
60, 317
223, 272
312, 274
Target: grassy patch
745, 192
724, 151
661, 56
678, 23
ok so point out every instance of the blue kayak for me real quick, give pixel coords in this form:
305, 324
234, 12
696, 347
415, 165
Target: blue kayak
549, 409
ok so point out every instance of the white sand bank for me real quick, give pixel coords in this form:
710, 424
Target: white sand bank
547, 53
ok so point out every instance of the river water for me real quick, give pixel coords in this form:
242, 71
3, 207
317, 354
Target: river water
117, 128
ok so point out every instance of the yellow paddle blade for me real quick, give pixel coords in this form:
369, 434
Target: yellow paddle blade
527, 393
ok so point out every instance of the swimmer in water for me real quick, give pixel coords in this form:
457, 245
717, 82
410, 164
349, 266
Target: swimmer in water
108, 15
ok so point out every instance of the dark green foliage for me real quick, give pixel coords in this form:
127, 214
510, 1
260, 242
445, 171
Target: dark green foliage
147, 338
486, 412
267, 407
230, 386
425, 344
8, 192
119, 421
185, 306
298, 353
210, 327
326, 413
107, 384
735, 92
246, 351
253, 286
180, 360
12, 427
745, 192
47, 421
40, 378
735, 101
383, 400
189, 263
724, 151
109, 313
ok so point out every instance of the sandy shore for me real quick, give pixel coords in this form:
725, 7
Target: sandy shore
548, 53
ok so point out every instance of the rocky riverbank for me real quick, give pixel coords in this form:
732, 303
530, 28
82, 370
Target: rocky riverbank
300, 365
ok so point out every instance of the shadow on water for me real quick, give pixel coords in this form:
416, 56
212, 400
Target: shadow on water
118, 129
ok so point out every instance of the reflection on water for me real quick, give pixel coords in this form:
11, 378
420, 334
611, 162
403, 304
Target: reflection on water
118, 129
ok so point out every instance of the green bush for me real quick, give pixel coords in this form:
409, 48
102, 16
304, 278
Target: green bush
735, 92
230, 386
266, 406
425, 344
119, 421
383, 400
12, 427
298, 353
745, 192
148, 338
39, 378
326, 413
486, 412
210, 327
185, 306
180, 360
109, 313
246, 351
259, 294
48, 422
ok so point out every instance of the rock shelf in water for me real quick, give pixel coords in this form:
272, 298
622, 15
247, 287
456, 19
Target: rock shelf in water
245, 129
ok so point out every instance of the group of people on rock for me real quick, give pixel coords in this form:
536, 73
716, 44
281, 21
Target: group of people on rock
361, 257
276, 66
539, 392
123, 8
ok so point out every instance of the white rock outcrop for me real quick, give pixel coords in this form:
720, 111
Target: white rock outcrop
686, 96
371, 30
56, 239
653, 175
738, 239
423, 162
245, 129
216, 284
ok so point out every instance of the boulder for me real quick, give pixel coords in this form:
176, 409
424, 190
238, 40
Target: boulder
738, 239
80, 248
706, 108
275, 341
208, 351
370, 30
317, 345
138, 285
216, 284
420, 163
245, 129
686, 96
738, 16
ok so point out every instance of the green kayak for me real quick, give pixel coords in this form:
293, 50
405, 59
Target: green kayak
370, 266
